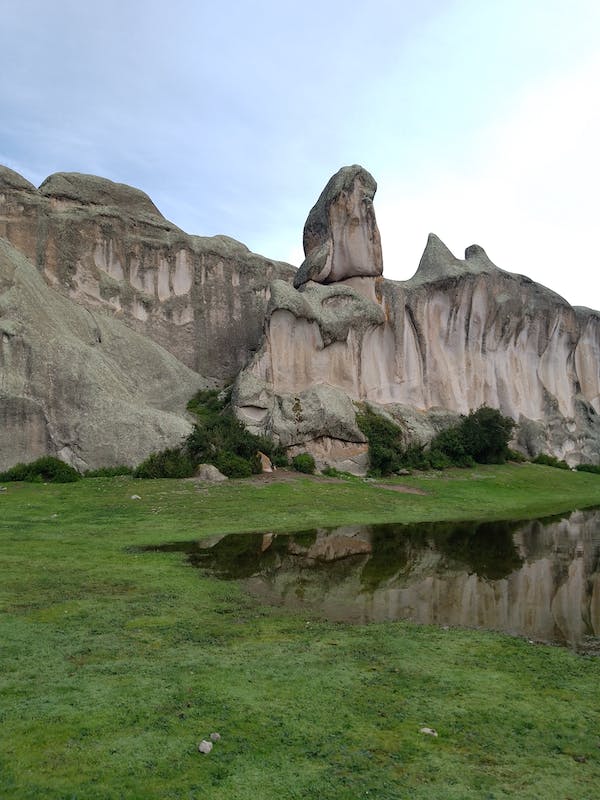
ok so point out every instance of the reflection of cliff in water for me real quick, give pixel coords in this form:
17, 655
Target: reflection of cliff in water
539, 578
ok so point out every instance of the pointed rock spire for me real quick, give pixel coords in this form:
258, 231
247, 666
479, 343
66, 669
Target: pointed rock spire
437, 261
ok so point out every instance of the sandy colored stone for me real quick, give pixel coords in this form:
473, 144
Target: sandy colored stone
106, 246
209, 473
341, 239
81, 385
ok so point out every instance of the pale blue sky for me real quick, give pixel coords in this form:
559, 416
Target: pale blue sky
479, 120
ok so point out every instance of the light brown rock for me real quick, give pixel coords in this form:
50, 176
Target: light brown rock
209, 473
341, 237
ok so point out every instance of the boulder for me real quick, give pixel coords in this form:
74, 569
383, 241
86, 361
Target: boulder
209, 473
341, 239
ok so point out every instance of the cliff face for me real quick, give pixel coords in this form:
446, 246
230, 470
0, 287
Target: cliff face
111, 317
107, 247
459, 334
78, 384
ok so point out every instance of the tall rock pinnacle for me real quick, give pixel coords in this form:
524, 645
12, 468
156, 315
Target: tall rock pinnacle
341, 238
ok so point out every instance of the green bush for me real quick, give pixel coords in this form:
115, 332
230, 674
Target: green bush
481, 436
304, 462
46, 469
208, 403
217, 438
108, 472
549, 461
594, 468
234, 466
386, 442
516, 455
451, 448
171, 463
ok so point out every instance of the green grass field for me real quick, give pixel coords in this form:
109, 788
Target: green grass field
116, 663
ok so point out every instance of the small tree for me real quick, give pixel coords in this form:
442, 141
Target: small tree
481, 436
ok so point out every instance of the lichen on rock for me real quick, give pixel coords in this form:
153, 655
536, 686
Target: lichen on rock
341, 238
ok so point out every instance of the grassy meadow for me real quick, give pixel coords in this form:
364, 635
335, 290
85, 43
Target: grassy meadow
115, 663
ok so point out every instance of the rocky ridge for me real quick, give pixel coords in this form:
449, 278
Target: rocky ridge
460, 333
106, 246
111, 317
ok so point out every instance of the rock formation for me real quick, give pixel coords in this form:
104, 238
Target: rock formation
111, 317
458, 334
107, 247
79, 384
341, 239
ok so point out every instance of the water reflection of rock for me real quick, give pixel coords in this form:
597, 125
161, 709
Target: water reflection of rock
540, 579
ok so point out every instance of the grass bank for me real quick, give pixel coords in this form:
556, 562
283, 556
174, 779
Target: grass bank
116, 663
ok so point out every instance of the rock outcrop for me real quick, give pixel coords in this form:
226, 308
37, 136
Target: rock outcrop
107, 247
79, 384
341, 239
458, 334
111, 317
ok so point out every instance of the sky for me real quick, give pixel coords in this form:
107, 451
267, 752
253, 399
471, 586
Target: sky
479, 119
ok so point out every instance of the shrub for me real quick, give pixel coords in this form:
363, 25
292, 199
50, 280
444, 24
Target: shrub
516, 455
46, 469
304, 462
595, 468
386, 443
486, 434
233, 466
451, 448
482, 436
108, 472
549, 461
208, 403
171, 463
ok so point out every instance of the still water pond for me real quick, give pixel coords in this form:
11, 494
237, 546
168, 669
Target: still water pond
539, 579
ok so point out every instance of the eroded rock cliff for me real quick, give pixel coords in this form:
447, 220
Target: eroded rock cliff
79, 384
459, 334
111, 317
107, 247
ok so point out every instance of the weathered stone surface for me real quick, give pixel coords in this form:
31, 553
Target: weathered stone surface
459, 334
209, 473
265, 462
341, 238
80, 385
106, 246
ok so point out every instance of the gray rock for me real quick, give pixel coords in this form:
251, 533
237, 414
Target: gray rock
108, 247
341, 239
215, 737
457, 335
209, 473
78, 384
205, 747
